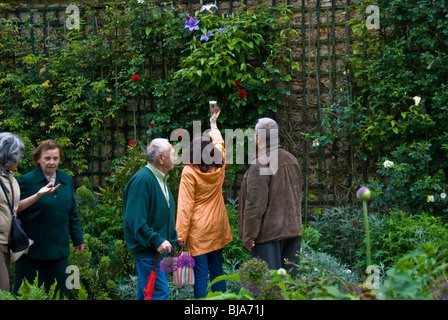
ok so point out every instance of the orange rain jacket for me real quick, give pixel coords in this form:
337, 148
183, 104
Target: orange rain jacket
201, 213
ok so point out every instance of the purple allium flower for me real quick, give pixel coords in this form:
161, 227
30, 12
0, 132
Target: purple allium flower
191, 24
168, 264
254, 275
206, 36
185, 261
363, 193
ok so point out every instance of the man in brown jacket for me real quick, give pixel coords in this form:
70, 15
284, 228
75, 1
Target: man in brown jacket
269, 210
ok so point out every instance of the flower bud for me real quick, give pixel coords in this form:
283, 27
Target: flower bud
363, 193
281, 272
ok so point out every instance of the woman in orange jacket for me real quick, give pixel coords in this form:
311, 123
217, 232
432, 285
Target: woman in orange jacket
202, 220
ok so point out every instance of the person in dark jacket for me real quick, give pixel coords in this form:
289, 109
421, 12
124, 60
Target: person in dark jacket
269, 209
149, 216
12, 150
50, 222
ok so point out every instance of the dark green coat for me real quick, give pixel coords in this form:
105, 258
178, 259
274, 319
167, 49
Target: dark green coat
148, 220
53, 219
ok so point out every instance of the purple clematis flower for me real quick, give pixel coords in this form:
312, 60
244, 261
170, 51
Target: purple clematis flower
191, 24
206, 36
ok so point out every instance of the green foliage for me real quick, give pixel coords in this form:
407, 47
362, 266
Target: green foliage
318, 274
32, 291
71, 91
340, 232
101, 267
400, 233
411, 184
250, 47
235, 250
406, 59
398, 101
213, 66
410, 278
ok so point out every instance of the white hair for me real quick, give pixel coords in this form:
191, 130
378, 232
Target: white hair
267, 128
12, 149
156, 147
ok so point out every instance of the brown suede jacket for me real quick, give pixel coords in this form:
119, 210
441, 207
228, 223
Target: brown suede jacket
270, 202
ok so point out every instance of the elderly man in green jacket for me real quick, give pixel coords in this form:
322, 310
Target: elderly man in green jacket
149, 210
269, 208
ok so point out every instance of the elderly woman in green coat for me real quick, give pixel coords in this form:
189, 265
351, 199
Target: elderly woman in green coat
50, 222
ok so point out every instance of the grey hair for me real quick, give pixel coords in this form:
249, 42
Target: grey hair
156, 147
12, 149
268, 128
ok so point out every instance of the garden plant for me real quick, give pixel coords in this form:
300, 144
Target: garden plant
393, 119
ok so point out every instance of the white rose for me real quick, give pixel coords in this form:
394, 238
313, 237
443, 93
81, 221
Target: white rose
417, 100
387, 164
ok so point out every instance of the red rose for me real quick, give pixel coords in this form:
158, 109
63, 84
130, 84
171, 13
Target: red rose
135, 77
242, 94
236, 84
132, 144
151, 125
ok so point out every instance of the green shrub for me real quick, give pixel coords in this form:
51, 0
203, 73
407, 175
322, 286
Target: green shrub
73, 94
102, 267
341, 231
406, 182
317, 271
400, 233
405, 59
413, 275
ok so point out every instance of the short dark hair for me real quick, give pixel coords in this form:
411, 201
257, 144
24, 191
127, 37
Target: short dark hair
205, 141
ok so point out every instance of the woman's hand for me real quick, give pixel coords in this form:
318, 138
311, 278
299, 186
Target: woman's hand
47, 189
25, 203
214, 118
